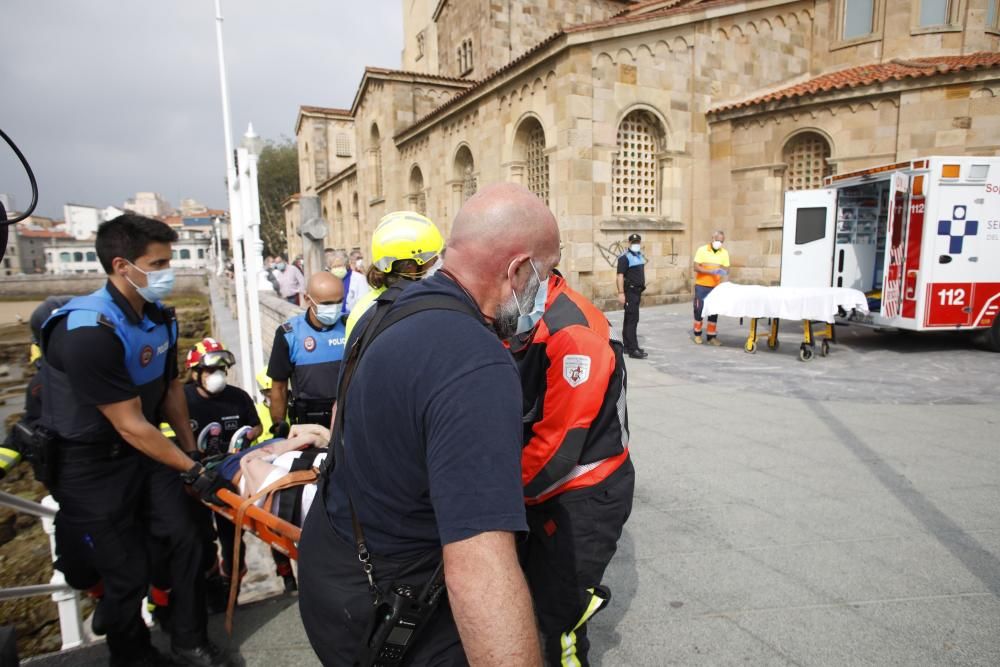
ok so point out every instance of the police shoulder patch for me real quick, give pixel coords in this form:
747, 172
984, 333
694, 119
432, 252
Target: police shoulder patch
286, 327
576, 369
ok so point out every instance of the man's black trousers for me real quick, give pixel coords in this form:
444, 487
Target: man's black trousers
336, 605
110, 511
571, 540
629, 337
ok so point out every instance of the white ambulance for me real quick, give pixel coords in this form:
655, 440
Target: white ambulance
921, 239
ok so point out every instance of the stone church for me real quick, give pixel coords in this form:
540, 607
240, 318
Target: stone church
670, 118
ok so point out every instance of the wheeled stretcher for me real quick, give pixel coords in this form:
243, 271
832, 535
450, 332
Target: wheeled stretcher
812, 305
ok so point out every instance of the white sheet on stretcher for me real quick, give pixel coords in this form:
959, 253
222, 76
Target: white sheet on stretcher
786, 303
282, 466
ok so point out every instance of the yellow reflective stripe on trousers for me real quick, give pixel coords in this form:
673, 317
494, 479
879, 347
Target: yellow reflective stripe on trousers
568, 640
568, 643
9, 458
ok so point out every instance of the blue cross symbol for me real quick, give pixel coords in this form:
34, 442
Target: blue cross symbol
965, 227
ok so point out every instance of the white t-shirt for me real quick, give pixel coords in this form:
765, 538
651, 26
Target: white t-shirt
358, 288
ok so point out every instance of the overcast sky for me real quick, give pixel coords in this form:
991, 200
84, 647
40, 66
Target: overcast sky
109, 97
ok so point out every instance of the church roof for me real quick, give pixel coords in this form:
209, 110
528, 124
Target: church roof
871, 75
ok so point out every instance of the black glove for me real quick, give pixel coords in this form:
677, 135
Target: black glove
280, 430
206, 483
196, 455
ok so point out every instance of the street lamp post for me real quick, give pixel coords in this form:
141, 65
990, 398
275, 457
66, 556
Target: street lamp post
235, 217
249, 152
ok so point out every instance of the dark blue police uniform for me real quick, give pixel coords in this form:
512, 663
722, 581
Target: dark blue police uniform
632, 267
114, 502
309, 358
432, 434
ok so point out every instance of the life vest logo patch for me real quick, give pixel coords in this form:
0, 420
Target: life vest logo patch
145, 356
576, 369
309, 343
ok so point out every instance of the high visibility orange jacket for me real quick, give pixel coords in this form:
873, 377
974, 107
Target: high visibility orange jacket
573, 380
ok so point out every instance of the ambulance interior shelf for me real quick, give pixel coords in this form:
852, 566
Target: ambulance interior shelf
859, 253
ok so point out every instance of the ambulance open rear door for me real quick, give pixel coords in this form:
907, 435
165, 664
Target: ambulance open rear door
808, 237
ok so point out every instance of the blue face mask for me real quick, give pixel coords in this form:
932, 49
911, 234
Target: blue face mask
159, 284
526, 322
280, 266
328, 314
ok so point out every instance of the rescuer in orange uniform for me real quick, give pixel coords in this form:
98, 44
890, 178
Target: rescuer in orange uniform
577, 474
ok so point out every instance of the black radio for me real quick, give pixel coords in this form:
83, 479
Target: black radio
398, 620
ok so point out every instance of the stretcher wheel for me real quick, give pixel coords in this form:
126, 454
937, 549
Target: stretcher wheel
750, 347
824, 348
805, 352
772, 346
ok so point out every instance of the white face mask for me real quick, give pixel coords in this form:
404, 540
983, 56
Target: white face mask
716, 245
214, 382
635, 247
360, 264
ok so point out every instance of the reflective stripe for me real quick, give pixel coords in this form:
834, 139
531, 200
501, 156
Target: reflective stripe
568, 643
577, 471
9, 458
596, 604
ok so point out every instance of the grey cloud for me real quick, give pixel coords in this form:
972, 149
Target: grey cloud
109, 97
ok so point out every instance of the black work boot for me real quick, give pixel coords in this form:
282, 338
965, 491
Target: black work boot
206, 655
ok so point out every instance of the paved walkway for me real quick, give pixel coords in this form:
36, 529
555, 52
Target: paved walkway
838, 512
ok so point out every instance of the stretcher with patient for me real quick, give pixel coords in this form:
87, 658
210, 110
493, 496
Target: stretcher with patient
273, 487
811, 305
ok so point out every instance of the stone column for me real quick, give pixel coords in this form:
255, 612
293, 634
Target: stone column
313, 232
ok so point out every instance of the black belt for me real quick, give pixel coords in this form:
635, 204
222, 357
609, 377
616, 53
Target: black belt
86, 451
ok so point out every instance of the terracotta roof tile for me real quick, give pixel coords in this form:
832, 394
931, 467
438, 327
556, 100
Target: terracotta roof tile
868, 75
42, 234
403, 72
647, 10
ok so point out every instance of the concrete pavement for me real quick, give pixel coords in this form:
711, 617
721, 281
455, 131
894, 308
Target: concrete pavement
838, 512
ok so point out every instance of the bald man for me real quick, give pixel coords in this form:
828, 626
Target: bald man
307, 352
431, 457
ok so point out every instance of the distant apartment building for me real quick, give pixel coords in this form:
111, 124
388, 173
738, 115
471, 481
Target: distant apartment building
82, 220
11, 264
150, 204
76, 256
31, 243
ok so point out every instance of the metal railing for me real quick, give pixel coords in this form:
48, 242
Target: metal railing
66, 599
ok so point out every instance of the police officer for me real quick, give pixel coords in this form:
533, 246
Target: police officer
110, 373
631, 281
307, 352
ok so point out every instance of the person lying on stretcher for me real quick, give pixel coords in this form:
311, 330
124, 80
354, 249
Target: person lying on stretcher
253, 470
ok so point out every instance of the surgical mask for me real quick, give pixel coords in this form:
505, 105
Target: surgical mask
716, 245
360, 264
280, 266
339, 271
214, 382
327, 313
159, 284
635, 247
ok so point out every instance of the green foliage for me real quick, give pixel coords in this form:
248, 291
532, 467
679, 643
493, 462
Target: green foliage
278, 179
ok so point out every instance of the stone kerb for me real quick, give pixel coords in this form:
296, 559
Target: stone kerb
188, 280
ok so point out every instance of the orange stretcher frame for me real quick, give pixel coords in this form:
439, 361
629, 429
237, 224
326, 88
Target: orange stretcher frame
276, 532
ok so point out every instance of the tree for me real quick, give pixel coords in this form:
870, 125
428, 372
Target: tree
277, 180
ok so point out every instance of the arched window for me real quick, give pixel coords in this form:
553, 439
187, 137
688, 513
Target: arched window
77, 256
375, 152
185, 253
465, 172
91, 256
636, 168
807, 156
417, 198
530, 150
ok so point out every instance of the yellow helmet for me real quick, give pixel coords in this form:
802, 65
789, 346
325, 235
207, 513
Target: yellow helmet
405, 235
263, 380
